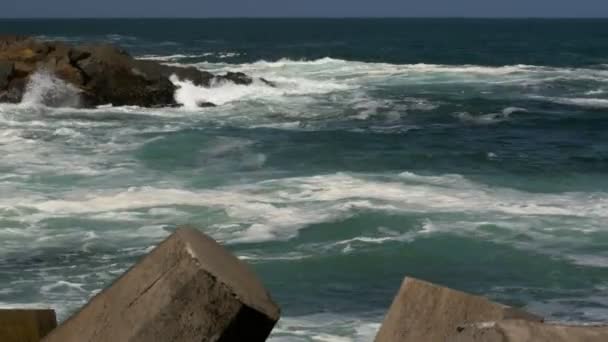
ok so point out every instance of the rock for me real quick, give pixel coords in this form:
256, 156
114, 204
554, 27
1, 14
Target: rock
65, 71
192, 74
111, 77
235, 77
75, 55
6, 40
423, 311
23, 70
26, 325
189, 288
6, 72
526, 331
268, 83
205, 104
103, 74
14, 92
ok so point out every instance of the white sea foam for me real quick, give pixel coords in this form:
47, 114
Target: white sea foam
597, 103
489, 119
220, 93
325, 327
277, 209
174, 57
177, 57
330, 67
62, 285
45, 89
596, 92
590, 260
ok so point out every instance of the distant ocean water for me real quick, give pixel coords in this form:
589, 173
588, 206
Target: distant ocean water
471, 153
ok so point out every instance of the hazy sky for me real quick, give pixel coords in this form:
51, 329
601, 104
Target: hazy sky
303, 8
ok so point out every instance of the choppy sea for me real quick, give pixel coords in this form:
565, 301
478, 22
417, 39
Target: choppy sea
471, 153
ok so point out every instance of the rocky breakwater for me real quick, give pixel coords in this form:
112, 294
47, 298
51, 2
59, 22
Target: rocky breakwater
96, 74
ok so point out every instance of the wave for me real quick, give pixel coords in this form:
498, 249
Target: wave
594, 103
342, 65
422, 67
277, 209
596, 92
178, 57
332, 66
326, 327
172, 58
220, 93
489, 119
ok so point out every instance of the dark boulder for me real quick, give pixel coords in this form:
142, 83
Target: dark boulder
235, 77
192, 74
14, 91
205, 104
6, 72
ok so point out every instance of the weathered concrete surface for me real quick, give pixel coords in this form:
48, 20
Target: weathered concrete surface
526, 331
187, 289
26, 325
423, 311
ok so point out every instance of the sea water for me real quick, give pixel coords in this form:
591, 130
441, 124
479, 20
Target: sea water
470, 153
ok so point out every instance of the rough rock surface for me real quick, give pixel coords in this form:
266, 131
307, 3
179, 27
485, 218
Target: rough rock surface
26, 325
423, 311
187, 289
101, 74
526, 331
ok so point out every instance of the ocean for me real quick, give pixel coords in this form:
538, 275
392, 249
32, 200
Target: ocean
468, 152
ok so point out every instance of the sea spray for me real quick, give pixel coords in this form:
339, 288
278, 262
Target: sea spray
43, 88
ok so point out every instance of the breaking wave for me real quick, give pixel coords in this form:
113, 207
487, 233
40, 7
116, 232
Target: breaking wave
220, 93
45, 89
277, 209
333, 67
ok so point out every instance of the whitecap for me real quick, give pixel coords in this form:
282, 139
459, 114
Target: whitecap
484, 119
221, 93
596, 103
278, 209
326, 327
173, 58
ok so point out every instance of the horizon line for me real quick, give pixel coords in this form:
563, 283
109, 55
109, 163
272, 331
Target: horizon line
309, 17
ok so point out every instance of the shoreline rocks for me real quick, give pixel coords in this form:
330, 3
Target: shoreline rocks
98, 74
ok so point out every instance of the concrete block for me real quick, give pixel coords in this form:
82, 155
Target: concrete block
187, 289
526, 331
423, 311
26, 325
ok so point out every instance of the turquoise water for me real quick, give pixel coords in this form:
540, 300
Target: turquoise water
471, 153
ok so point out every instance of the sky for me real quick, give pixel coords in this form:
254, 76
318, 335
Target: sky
303, 8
